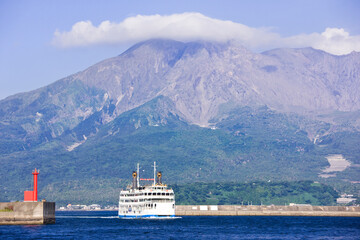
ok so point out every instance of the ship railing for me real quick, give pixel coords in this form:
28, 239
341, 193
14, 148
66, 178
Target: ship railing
134, 201
158, 194
146, 196
131, 203
144, 199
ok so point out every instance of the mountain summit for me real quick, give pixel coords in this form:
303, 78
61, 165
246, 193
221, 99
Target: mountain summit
201, 76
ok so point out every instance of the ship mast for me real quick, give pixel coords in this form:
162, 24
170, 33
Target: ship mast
138, 177
154, 173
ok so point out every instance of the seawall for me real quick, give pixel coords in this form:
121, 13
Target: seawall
241, 210
13, 213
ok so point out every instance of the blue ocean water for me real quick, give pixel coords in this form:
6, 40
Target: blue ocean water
106, 225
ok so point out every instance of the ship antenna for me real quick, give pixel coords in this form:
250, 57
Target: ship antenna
138, 177
154, 173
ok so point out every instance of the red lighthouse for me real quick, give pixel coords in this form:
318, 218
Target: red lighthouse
31, 196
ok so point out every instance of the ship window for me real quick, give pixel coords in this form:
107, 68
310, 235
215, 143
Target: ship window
158, 193
155, 205
162, 193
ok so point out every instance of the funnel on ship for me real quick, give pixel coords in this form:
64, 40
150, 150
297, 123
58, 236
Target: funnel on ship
159, 175
134, 182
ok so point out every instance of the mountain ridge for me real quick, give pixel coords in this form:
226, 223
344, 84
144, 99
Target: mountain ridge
199, 77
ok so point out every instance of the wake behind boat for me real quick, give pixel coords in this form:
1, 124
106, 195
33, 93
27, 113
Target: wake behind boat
148, 201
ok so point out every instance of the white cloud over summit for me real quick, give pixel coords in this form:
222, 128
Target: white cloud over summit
195, 26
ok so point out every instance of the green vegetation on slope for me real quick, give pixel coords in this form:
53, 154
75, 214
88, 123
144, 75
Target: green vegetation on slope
256, 193
250, 144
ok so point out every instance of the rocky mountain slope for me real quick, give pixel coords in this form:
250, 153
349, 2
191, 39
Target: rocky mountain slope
198, 77
209, 111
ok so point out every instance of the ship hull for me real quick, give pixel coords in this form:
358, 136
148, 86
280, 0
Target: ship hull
146, 209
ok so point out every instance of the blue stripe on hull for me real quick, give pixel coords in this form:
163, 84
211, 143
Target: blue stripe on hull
144, 216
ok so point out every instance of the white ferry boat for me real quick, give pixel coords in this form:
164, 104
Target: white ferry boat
149, 201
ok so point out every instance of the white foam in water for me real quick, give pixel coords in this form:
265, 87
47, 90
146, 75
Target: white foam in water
151, 218
86, 216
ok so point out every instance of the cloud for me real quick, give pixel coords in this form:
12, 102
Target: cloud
195, 26
333, 40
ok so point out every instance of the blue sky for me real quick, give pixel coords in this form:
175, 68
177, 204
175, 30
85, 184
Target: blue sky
44, 41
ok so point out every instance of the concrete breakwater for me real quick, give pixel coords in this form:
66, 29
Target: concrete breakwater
247, 210
13, 213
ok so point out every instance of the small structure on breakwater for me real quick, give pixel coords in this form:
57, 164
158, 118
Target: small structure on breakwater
28, 212
31, 196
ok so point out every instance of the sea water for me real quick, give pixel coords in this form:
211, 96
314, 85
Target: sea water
106, 225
